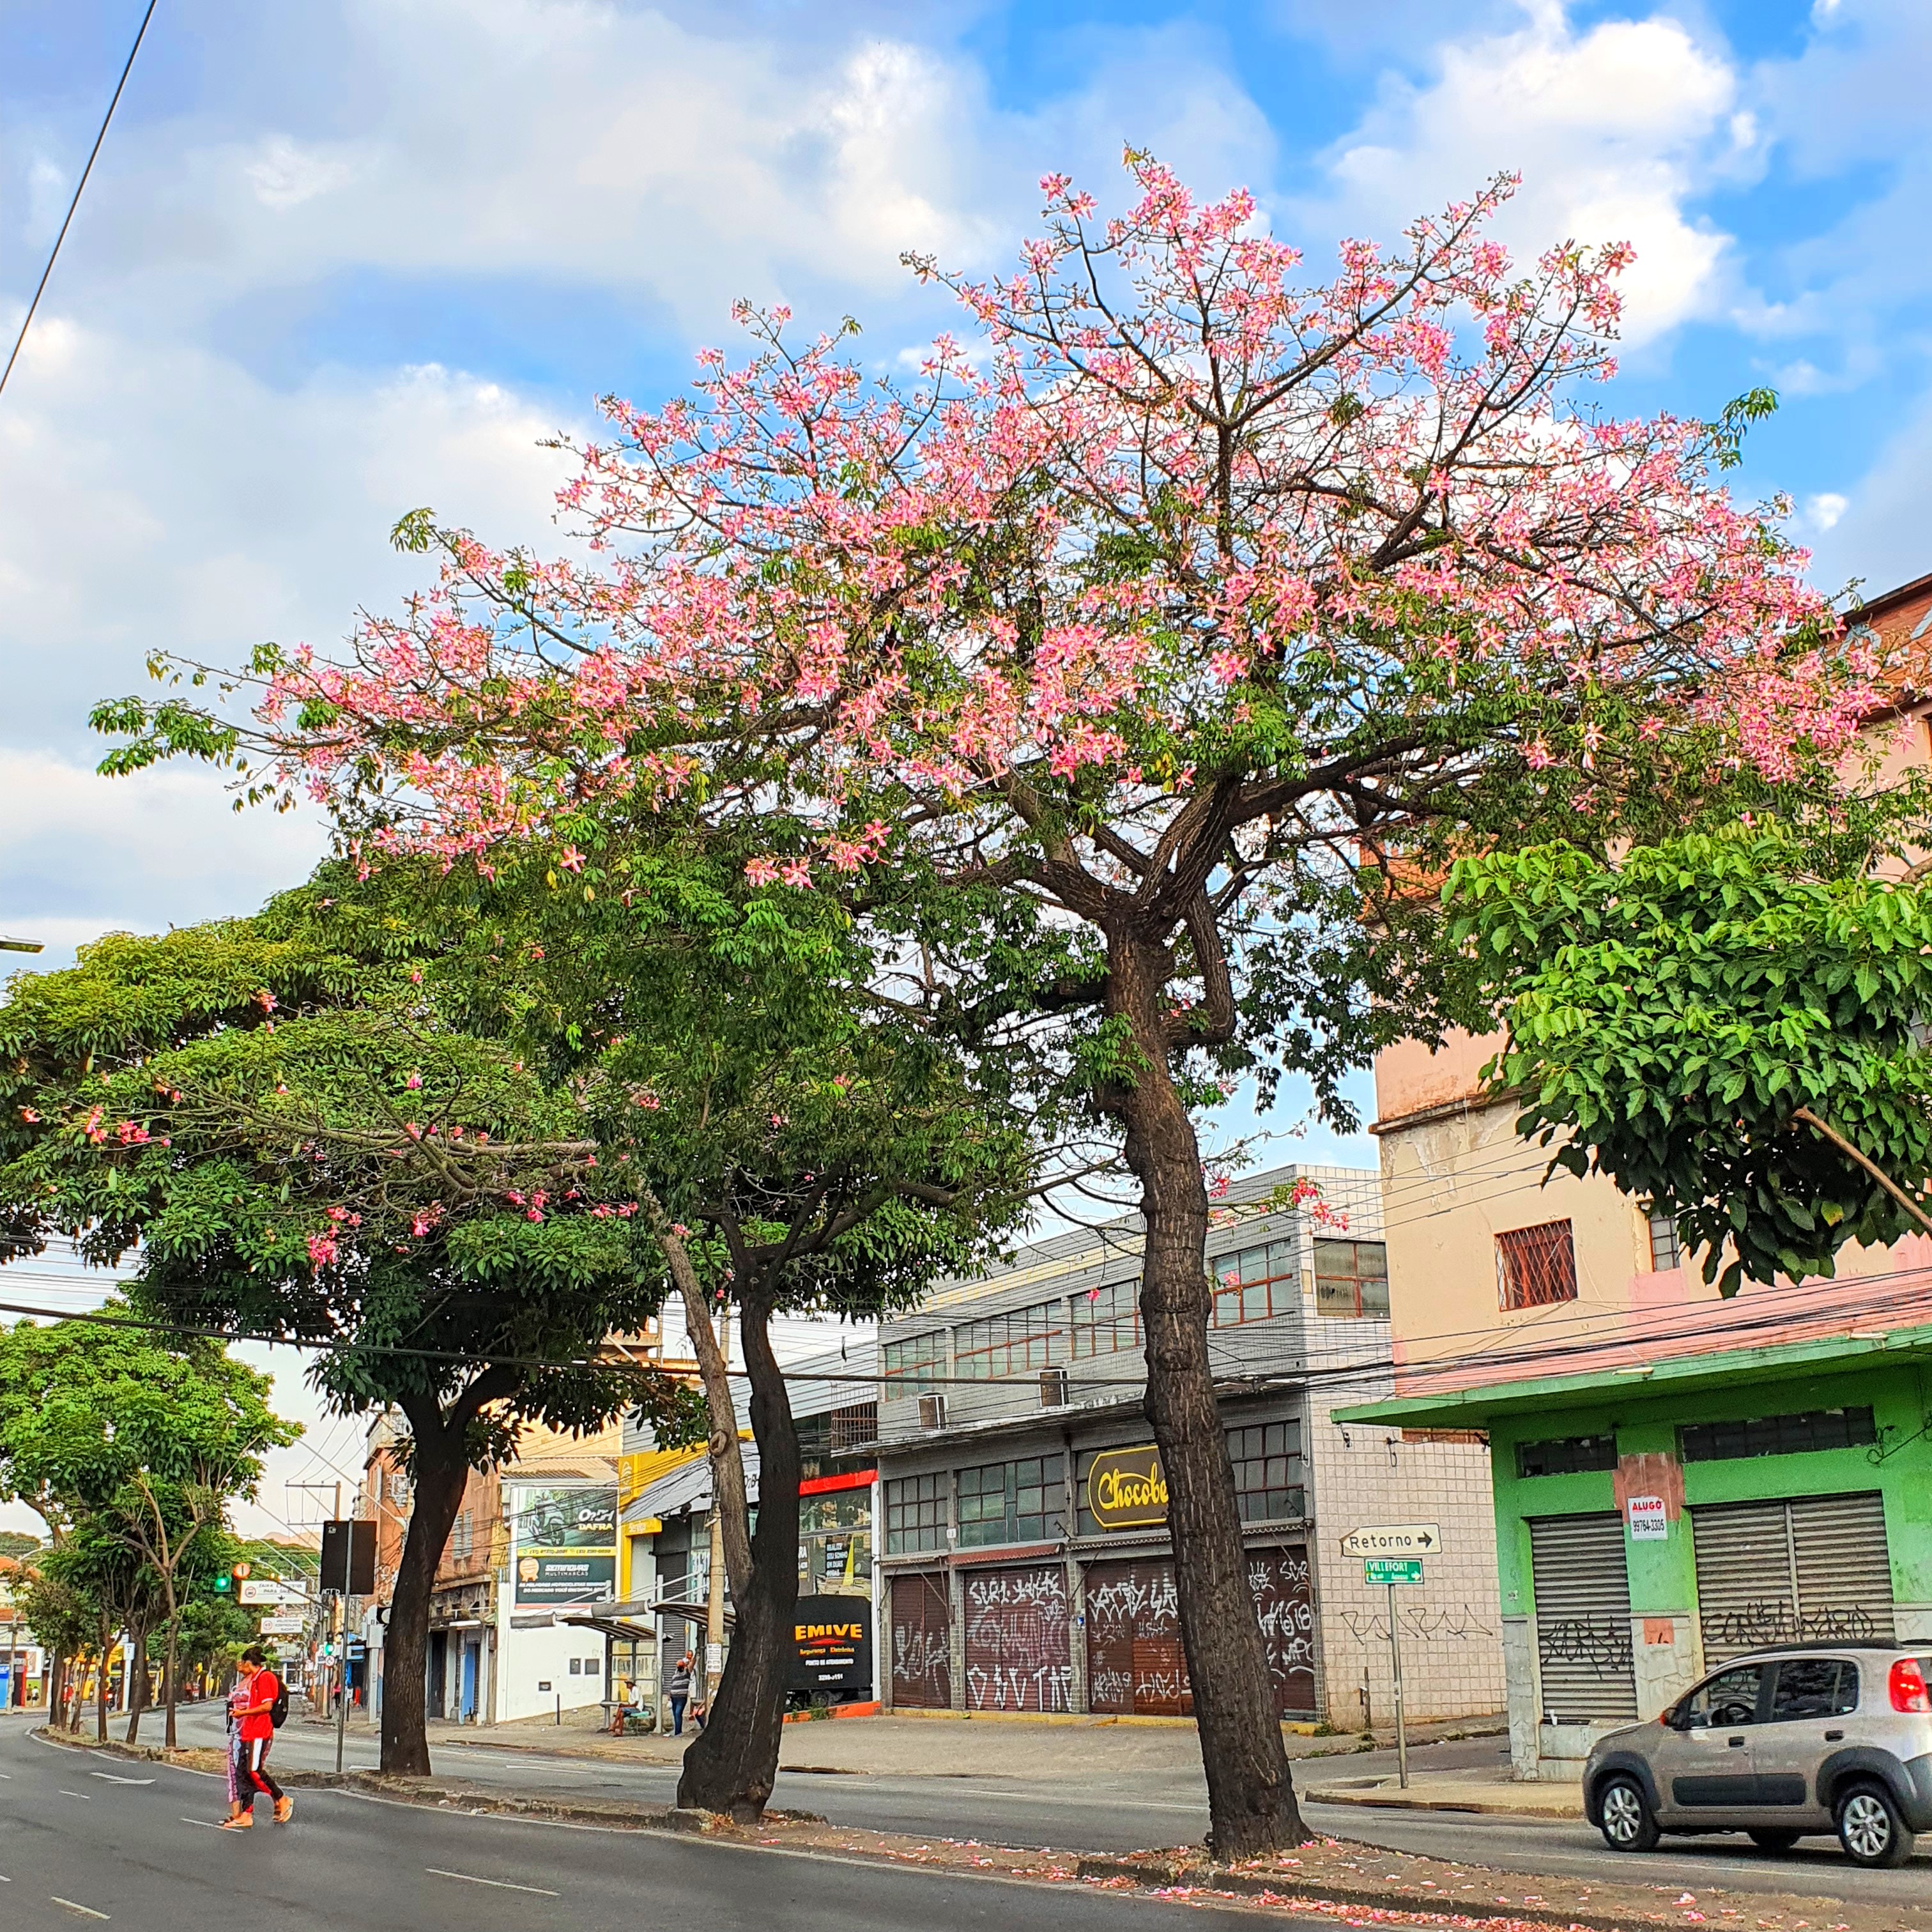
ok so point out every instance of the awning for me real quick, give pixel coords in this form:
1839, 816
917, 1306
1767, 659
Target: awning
687, 1487
629, 1620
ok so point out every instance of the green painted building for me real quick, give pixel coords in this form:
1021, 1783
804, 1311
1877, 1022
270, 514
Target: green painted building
1657, 1517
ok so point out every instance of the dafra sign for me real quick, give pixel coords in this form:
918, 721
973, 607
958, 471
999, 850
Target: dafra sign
1126, 1488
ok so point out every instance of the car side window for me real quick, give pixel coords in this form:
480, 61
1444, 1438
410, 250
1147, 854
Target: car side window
1814, 1687
1729, 1698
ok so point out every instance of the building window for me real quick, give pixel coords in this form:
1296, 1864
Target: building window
1778, 1435
1010, 1502
1536, 1266
1666, 1251
1105, 1319
1254, 1283
912, 1367
1574, 1455
854, 1426
459, 1539
1006, 1345
1267, 1457
915, 1513
1352, 1278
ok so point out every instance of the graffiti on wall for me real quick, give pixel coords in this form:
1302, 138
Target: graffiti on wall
1283, 1603
1775, 1620
1017, 1656
1458, 1624
1599, 1646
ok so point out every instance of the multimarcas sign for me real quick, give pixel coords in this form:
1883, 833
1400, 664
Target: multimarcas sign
831, 1638
1126, 1488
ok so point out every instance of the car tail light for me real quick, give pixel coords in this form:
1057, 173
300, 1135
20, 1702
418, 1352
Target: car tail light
1907, 1686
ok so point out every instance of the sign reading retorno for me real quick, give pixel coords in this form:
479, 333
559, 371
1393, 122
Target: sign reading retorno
1126, 1488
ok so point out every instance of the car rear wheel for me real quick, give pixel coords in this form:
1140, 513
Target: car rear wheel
1625, 1818
1767, 1839
1870, 1827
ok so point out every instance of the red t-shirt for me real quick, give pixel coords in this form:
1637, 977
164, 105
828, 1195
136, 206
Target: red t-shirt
264, 1688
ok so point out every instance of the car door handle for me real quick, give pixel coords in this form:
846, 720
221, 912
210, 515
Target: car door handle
1735, 1742
1833, 1737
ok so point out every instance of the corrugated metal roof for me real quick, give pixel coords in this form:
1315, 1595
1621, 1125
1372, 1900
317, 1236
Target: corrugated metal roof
688, 1486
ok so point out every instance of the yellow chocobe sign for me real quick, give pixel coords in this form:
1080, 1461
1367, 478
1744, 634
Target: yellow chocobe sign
1126, 1488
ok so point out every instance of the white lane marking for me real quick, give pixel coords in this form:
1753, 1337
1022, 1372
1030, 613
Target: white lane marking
109, 1778
201, 1824
85, 1911
65, 1793
502, 1885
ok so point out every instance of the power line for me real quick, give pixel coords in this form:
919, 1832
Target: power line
54, 255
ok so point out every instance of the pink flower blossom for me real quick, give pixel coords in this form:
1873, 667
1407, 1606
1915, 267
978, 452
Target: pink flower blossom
571, 859
412, 1081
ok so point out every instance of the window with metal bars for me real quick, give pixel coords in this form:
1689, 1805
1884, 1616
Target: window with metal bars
1010, 1502
1105, 1319
915, 1366
1267, 1456
1352, 1279
915, 1513
1536, 1266
1255, 1282
1006, 1345
1572, 1455
1666, 1251
1778, 1435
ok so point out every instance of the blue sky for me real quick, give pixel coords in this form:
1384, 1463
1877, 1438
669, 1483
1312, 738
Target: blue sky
343, 259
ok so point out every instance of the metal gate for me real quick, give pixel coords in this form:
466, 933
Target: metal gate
1285, 1603
921, 1643
1799, 1568
1582, 1618
1019, 1653
1135, 1666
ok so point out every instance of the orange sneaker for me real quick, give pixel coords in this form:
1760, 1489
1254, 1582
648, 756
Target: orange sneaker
285, 1809
242, 1821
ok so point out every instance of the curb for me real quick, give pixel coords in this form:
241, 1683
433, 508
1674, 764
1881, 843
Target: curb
1288, 1890
1399, 1800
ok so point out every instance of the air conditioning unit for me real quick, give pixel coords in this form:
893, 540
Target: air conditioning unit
1053, 1388
932, 1411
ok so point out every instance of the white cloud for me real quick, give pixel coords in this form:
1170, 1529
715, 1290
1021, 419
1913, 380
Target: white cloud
1824, 511
286, 175
1881, 536
1613, 129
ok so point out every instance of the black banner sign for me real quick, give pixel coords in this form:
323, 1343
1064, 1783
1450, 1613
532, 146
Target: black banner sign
832, 1637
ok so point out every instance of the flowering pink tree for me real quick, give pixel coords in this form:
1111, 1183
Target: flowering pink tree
1123, 669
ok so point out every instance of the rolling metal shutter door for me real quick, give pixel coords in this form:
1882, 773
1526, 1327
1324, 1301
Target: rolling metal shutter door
1285, 1603
1791, 1571
1018, 1639
1582, 1618
922, 1644
1134, 1661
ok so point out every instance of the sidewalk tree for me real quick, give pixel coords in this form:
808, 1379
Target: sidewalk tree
304, 1149
1118, 671
138, 1442
1731, 1026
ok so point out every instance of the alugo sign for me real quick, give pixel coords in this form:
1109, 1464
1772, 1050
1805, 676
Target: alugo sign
1393, 1539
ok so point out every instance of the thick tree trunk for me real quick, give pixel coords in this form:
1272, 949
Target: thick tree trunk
171, 1669
732, 1766
137, 1680
1251, 1803
438, 1472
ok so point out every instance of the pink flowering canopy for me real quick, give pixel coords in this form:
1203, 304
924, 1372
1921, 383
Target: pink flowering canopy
1198, 599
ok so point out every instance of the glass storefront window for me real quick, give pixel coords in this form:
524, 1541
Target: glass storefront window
1011, 1502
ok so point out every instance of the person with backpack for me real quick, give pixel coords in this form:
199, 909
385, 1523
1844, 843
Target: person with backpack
264, 1712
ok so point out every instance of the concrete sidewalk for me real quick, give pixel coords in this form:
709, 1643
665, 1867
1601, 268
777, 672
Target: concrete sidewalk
1495, 1794
941, 1744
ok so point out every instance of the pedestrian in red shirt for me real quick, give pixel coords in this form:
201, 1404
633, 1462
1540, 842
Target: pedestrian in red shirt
257, 1726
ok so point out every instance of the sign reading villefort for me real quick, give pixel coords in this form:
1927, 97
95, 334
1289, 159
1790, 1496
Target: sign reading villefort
1126, 1488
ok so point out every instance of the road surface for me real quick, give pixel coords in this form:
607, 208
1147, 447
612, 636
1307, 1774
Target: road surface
85, 1839
1135, 1812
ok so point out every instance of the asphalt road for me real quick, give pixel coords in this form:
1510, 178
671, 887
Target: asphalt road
83, 1843
1132, 1814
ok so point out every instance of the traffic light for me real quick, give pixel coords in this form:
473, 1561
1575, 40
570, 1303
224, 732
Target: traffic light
223, 1585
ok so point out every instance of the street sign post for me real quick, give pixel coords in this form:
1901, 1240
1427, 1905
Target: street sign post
1392, 1554
1393, 1539
1392, 1569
